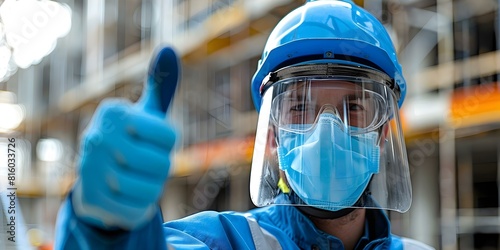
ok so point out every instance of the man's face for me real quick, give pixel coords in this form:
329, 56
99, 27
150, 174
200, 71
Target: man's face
301, 103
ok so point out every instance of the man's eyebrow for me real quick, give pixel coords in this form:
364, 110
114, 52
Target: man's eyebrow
293, 94
357, 96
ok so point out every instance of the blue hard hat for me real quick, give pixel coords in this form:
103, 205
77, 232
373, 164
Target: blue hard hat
329, 29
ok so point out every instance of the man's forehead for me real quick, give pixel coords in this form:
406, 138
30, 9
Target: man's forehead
321, 86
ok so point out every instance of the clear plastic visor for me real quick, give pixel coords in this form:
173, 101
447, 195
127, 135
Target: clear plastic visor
329, 137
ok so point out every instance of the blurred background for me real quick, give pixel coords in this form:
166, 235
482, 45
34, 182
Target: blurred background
59, 59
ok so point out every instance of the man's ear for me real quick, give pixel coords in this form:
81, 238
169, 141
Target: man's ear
383, 133
272, 139
271, 144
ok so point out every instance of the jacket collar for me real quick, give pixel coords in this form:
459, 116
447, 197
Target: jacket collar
303, 232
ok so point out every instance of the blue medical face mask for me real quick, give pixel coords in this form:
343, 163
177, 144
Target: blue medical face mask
327, 167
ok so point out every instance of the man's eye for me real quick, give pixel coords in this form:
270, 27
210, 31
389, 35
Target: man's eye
356, 107
300, 107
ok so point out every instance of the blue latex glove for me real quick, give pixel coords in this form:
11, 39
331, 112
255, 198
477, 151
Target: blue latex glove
125, 153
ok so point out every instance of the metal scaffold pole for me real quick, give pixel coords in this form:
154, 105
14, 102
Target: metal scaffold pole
447, 172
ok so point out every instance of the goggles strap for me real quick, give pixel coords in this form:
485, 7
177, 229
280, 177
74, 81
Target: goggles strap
325, 70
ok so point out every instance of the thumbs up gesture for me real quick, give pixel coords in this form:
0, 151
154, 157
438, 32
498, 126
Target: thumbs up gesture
125, 152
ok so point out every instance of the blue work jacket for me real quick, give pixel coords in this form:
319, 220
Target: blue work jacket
272, 227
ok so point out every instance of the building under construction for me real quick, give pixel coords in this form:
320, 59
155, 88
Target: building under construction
449, 50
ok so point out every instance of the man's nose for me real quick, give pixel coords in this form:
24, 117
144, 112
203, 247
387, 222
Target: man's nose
330, 109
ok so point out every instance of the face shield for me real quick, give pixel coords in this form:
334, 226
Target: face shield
329, 136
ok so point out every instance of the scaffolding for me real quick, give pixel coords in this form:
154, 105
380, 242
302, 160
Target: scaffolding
449, 50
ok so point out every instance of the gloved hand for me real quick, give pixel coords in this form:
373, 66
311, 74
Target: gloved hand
125, 153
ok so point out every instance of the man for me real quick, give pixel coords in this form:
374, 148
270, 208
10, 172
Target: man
329, 154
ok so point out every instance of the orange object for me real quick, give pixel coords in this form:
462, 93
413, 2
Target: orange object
475, 105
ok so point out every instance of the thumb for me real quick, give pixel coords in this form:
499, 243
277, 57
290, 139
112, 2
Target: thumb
161, 81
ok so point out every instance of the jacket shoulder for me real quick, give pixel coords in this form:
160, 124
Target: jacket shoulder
223, 230
399, 242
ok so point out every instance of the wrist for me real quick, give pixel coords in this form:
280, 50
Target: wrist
101, 215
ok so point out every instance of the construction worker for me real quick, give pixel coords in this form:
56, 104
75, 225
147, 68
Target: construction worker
329, 155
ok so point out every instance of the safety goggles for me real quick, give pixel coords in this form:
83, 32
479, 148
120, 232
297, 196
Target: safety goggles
358, 96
